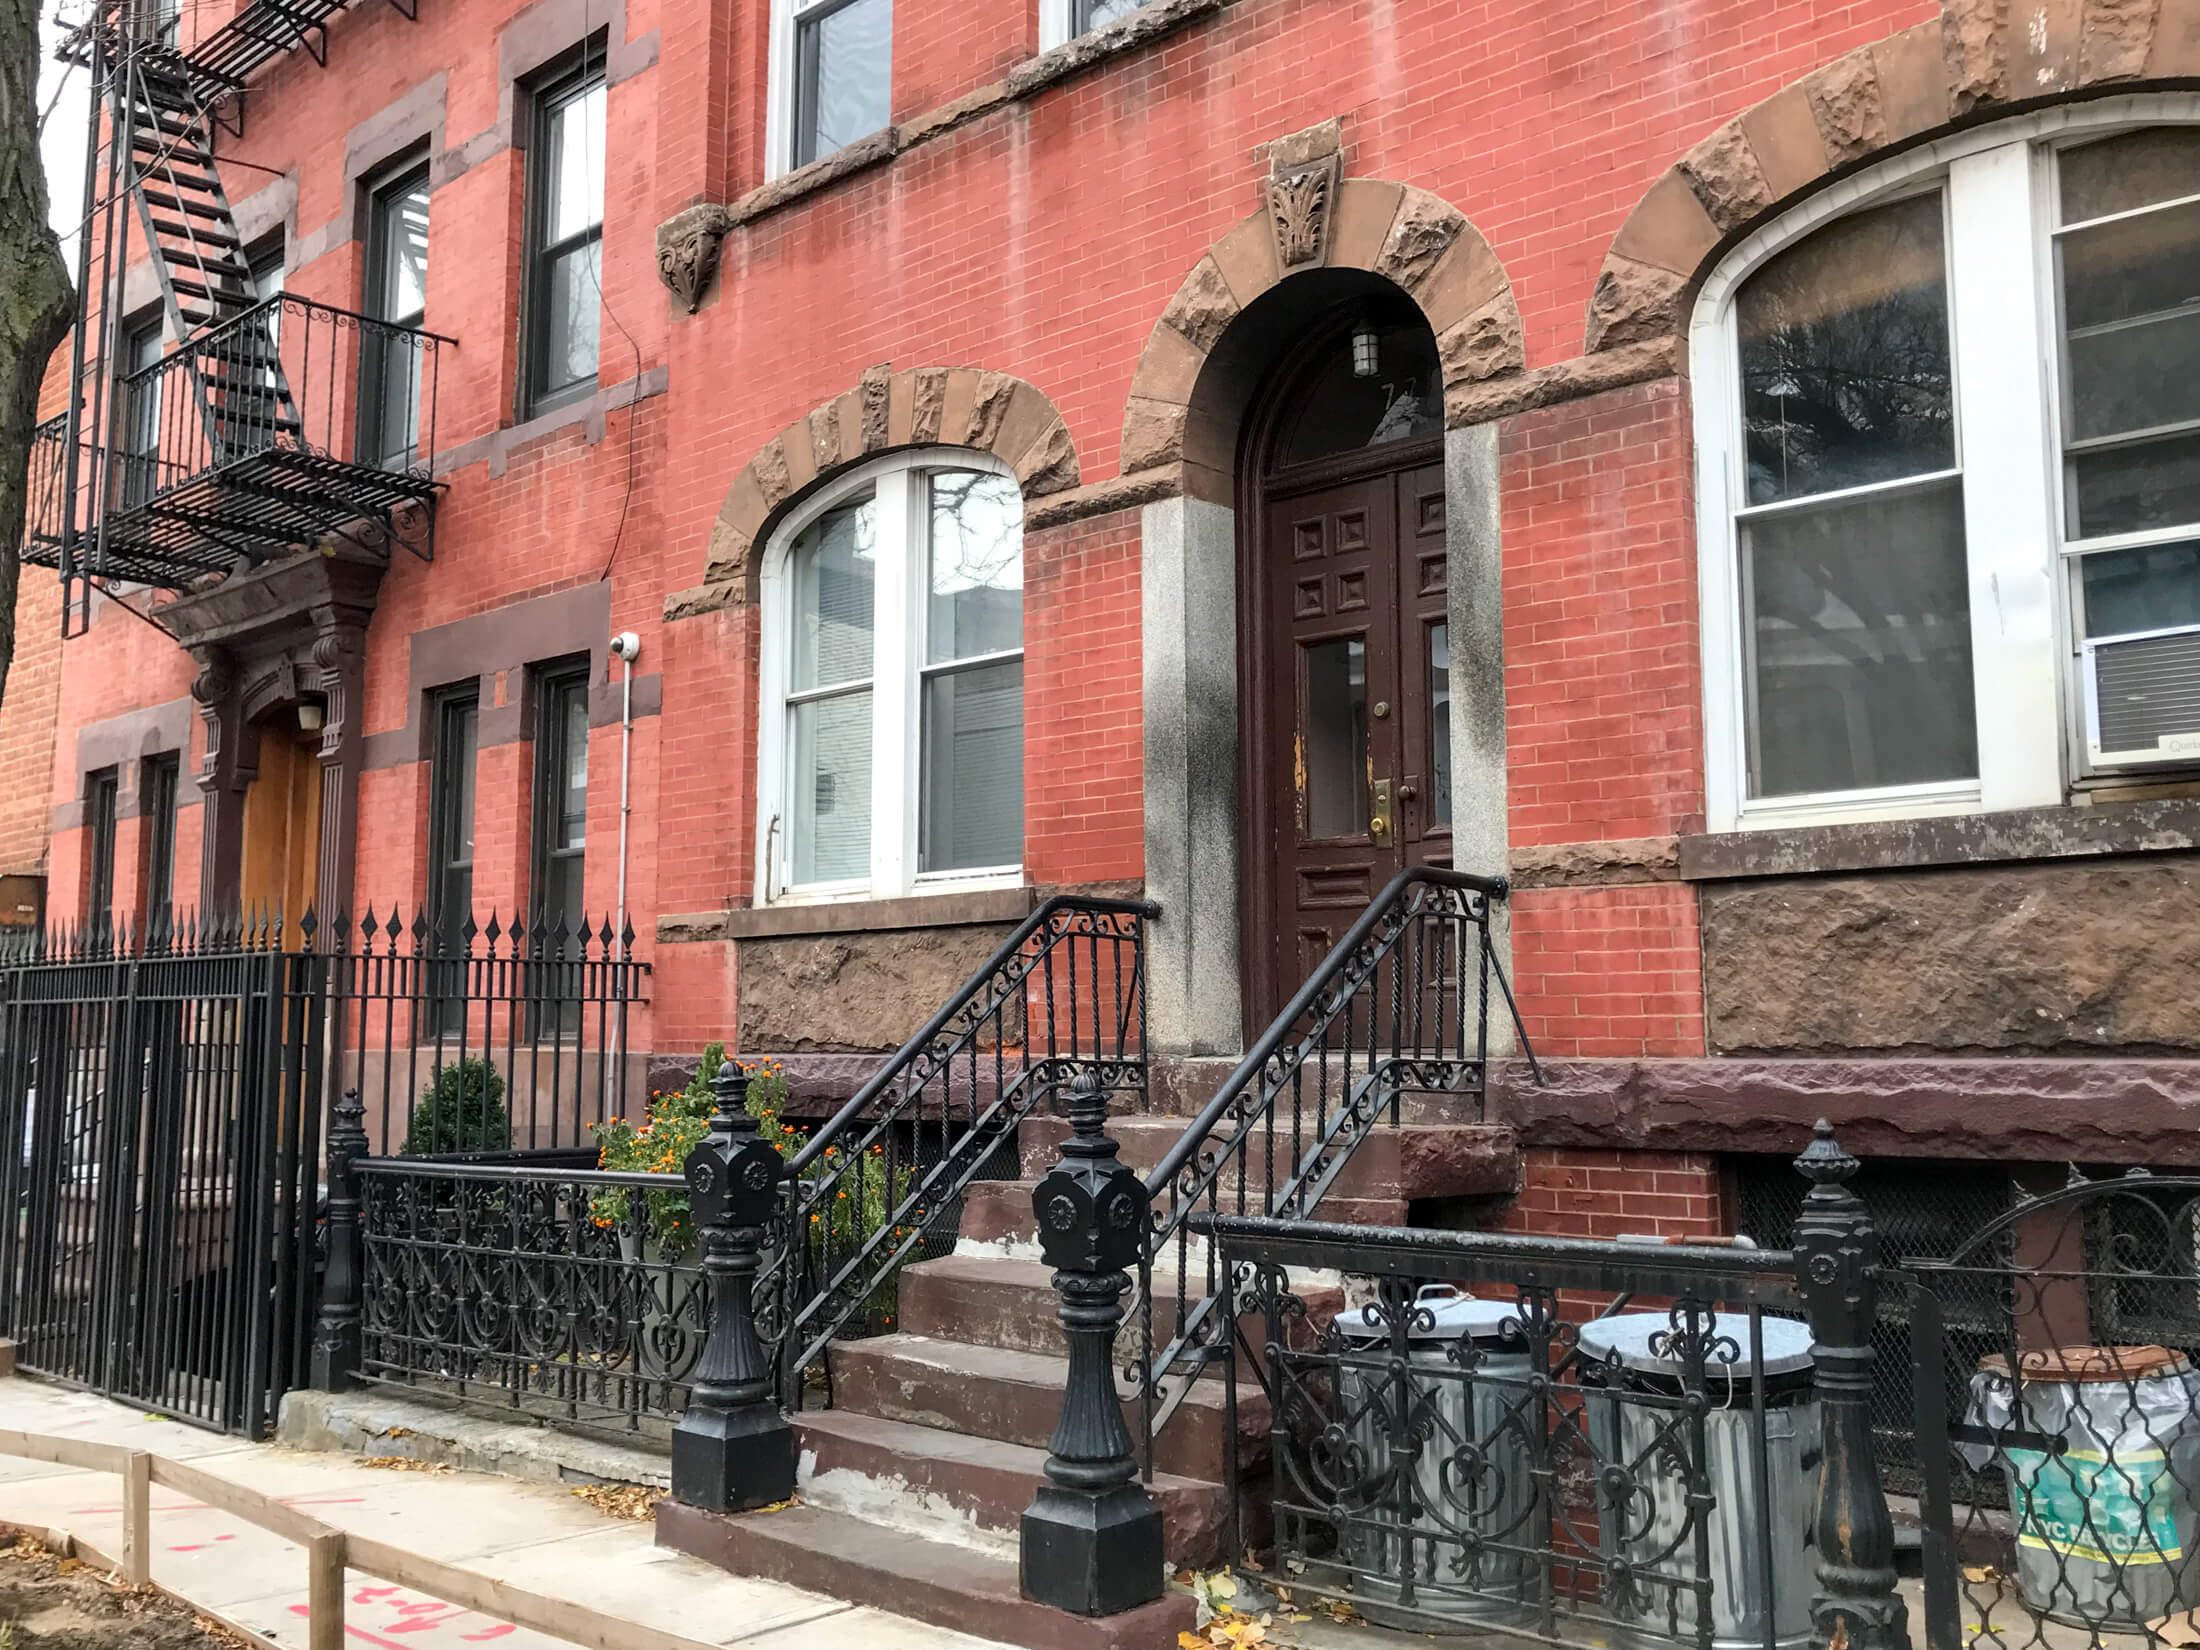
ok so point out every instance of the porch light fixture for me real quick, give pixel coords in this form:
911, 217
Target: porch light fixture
1364, 361
310, 717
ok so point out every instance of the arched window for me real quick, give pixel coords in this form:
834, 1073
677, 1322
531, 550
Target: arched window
892, 737
1948, 419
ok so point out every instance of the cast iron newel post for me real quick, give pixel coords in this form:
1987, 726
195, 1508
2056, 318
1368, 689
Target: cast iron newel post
732, 1450
1092, 1540
1856, 1606
336, 1330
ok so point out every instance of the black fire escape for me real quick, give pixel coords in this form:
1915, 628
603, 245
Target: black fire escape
277, 423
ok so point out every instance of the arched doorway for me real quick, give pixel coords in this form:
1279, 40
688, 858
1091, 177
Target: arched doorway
1345, 678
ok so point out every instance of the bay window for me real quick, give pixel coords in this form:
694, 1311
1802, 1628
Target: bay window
1948, 420
892, 737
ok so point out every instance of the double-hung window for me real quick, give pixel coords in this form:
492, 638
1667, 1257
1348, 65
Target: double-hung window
565, 262
138, 454
1948, 421
397, 296
560, 834
833, 76
456, 714
894, 685
158, 782
1061, 21
102, 798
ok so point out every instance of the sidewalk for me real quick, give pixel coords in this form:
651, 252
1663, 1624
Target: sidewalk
535, 1536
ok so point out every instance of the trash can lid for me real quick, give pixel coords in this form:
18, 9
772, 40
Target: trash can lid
2079, 1365
1450, 1316
1635, 1340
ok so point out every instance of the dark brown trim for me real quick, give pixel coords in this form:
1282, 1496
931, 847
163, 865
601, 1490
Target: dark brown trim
123, 743
2110, 829
961, 910
2057, 1111
498, 447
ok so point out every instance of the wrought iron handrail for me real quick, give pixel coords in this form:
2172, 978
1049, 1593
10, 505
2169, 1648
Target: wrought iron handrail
1410, 942
1063, 993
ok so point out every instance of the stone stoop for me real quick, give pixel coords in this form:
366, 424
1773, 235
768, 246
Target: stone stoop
913, 1484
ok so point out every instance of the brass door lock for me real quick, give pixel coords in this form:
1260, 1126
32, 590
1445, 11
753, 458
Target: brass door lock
1379, 821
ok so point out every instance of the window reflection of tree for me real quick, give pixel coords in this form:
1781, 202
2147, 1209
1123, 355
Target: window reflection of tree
1860, 605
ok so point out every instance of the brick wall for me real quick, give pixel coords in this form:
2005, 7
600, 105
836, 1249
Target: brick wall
27, 725
1569, 1192
1041, 240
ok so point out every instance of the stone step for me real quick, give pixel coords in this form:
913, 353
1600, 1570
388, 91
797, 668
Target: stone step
1016, 1397
997, 1211
965, 1588
982, 1479
990, 1300
1413, 1160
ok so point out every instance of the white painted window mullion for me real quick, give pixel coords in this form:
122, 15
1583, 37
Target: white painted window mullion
1999, 302
893, 717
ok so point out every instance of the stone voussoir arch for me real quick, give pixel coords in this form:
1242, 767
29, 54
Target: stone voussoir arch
966, 407
1416, 240
1978, 60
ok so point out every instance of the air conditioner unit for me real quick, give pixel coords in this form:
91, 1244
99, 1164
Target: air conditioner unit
2142, 698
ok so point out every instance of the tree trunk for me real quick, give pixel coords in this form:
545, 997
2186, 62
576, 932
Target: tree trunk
36, 301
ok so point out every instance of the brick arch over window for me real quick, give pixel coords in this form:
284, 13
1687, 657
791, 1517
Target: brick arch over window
965, 407
1979, 60
1406, 236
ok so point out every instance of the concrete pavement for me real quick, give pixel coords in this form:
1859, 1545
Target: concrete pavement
533, 1535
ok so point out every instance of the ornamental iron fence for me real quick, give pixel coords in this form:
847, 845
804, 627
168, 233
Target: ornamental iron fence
168, 1083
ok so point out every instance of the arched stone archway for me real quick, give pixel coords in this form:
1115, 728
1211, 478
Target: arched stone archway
1980, 59
1181, 411
967, 407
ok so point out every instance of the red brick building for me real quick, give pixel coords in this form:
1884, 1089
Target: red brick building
1704, 462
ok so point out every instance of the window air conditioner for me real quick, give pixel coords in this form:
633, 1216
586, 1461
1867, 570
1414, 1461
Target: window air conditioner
2142, 698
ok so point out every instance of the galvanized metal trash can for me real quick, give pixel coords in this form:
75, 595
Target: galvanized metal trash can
1472, 1482
2107, 1513
1760, 1567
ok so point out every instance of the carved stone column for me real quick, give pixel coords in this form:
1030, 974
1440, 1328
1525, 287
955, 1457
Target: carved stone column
1836, 1248
339, 657
225, 772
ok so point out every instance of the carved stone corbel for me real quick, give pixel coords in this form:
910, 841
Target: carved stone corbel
687, 251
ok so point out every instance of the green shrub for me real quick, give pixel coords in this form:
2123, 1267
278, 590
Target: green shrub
461, 1110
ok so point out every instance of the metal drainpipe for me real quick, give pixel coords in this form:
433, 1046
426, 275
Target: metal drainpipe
626, 647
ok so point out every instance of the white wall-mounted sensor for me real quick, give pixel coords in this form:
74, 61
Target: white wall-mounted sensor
626, 645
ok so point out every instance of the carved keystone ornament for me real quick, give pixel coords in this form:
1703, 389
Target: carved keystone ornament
1305, 171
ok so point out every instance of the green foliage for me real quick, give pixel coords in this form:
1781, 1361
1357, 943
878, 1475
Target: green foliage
461, 1110
680, 1121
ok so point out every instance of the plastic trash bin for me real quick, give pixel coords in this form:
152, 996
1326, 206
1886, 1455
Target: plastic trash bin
1751, 1605
2107, 1515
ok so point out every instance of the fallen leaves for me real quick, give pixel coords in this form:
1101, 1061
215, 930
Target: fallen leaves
633, 1502
404, 1463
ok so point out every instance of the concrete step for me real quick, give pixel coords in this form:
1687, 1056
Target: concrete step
982, 1479
1016, 1397
1413, 1160
970, 1590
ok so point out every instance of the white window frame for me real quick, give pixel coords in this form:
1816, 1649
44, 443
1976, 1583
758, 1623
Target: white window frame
898, 620
1999, 190
780, 98
1058, 22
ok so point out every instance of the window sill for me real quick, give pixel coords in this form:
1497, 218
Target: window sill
2102, 831
961, 909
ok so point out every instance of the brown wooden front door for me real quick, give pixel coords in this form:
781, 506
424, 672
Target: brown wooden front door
1350, 779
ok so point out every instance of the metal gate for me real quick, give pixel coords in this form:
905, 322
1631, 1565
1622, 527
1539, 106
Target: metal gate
160, 1095
2056, 1354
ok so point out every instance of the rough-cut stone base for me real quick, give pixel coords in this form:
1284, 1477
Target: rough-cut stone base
854, 991
949, 1586
2036, 958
